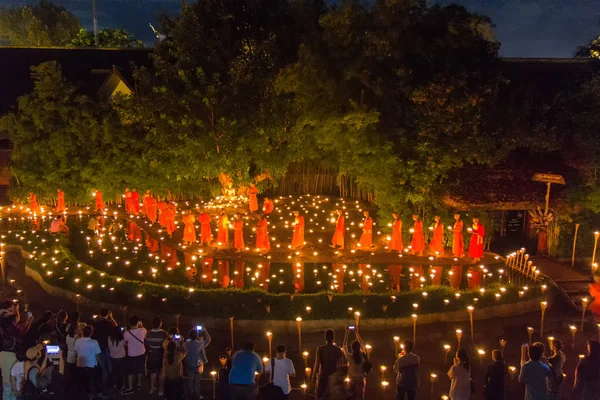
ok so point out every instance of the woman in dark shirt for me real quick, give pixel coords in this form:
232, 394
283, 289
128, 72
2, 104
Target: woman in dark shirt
494, 377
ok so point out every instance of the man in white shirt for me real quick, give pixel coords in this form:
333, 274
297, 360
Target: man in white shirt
88, 358
284, 369
136, 353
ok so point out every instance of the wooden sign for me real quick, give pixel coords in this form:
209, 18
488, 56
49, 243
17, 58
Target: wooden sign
548, 178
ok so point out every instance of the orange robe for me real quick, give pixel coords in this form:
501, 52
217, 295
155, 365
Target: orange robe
262, 235
128, 203
238, 235
145, 204
151, 208
595, 293
223, 233
189, 230
168, 254
437, 241
162, 206
418, 241
151, 244
252, 193
366, 239
169, 218
338, 236
99, 202
268, 206
33, 204
458, 245
205, 231
476, 242
135, 202
396, 242
60, 206
298, 237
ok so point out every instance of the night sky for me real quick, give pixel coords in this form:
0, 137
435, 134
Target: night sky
526, 28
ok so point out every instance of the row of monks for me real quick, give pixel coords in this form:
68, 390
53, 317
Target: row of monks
164, 213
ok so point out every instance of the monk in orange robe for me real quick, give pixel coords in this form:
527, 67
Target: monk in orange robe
135, 201
205, 231
189, 230
33, 204
99, 201
476, 242
238, 233
418, 240
169, 219
595, 293
145, 202
151, 206
396, 242
60, 204
268, 206
366, 239
223, 233
151, 244
252, 194
298, 237
458, 245
395, 272
262, 235
437, 241
338, 236
162, 206
128, 203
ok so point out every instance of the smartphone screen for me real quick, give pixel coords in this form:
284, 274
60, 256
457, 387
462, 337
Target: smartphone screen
352, 327
198, 327
177, 337
52, 349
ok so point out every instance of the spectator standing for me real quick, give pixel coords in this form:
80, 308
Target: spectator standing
284, 369
173, 369
224, 374
406, 368
494, 377
155, 339
533, 374
587, 374
460, 374
195, 360
136, 353
43, 326
71, 366
327, 359
103, 328
60, 328
17, 374
356, 358
88, 359
7, 359
556, 362
118, 357
245, 364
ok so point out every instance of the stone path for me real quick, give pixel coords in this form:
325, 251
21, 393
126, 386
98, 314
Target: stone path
573, 283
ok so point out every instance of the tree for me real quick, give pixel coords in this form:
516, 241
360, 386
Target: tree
43, 24
394, 94
107, 37
64, 139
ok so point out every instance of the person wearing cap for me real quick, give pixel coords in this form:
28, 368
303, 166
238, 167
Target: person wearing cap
36, 369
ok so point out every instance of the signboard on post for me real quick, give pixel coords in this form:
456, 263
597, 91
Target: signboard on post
548, 178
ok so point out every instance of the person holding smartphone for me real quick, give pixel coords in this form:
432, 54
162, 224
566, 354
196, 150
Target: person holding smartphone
173, 368
199, 339
136, 353
356, 358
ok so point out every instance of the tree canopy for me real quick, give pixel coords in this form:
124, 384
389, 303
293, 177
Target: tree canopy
41, 24
107, 37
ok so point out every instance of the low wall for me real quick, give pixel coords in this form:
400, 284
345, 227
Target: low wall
290, 327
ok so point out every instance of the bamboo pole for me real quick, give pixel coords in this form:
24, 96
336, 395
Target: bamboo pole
574, 245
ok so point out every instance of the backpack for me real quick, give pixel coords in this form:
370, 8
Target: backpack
270, 391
